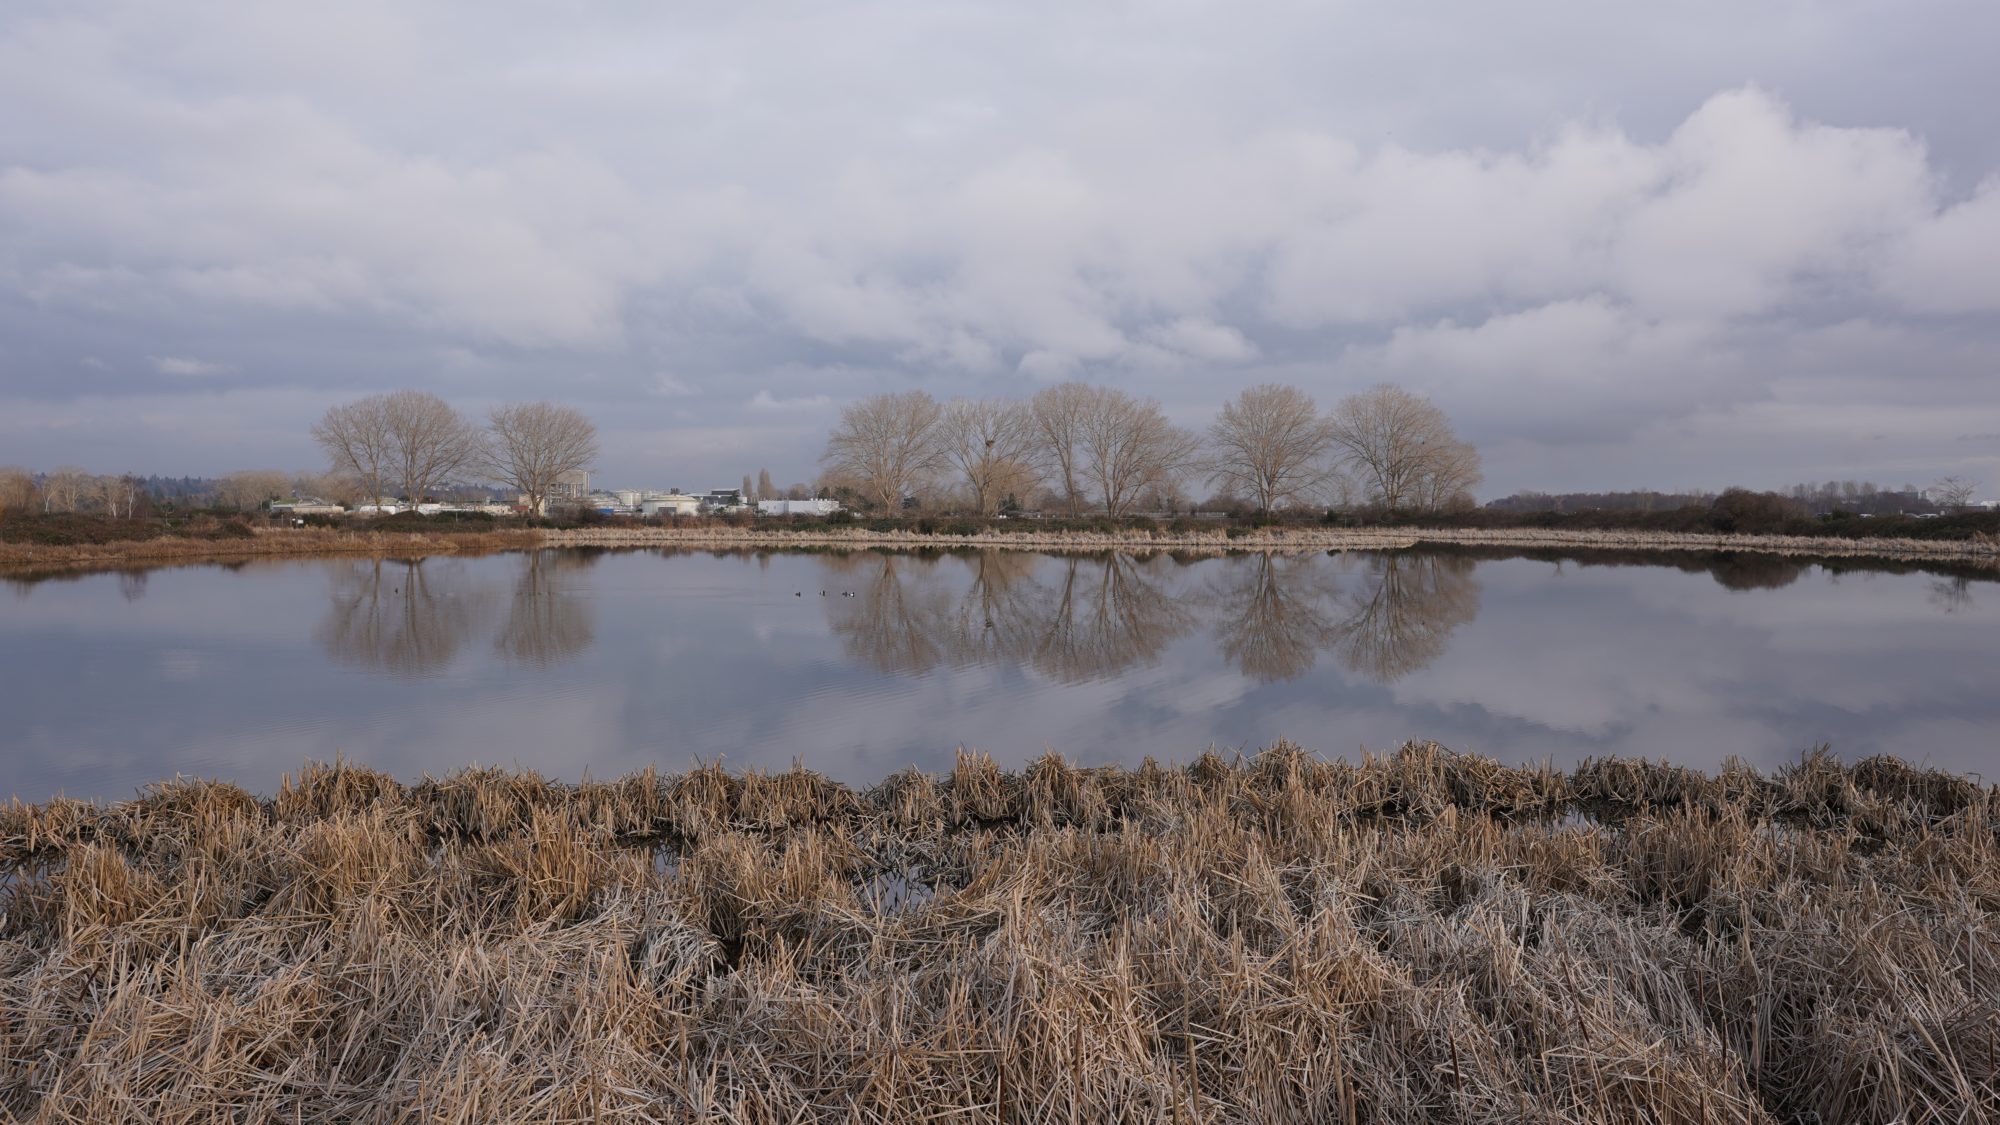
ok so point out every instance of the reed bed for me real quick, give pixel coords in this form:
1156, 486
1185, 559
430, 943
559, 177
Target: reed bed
1423, 936
266, 543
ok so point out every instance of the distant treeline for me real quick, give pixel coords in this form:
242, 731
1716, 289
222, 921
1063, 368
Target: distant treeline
1828, 498
1736, 511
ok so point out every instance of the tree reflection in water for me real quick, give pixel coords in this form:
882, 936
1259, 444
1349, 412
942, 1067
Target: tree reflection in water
549, 618
1402, 613
892, 621
1082, 617
1274, 613
1100, 614
1109, 612
390, 615
414, 617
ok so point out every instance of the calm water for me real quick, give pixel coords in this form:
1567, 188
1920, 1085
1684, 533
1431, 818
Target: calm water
600, 662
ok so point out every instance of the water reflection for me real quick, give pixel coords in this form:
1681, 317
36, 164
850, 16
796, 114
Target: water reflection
1756, 572
390, 615
889, 612
1076, 618
1275, 615
1401, 618
417, 617
1106, 614
1095, 615
1951, 594
549, 617
710, 653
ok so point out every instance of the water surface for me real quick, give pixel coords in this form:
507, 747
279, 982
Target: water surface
575, 662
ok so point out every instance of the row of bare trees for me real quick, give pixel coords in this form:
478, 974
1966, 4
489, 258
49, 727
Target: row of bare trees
70, 489
1098, 447
415, 443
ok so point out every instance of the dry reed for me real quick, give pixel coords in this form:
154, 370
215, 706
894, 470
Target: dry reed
266, 543
1423, 936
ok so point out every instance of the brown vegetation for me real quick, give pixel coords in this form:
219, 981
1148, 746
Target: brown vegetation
262, 542
1422, 937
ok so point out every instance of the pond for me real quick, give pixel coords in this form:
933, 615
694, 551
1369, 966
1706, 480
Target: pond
860, 663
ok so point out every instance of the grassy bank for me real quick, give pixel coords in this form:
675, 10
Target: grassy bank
257, 542
1423, 937
59, 543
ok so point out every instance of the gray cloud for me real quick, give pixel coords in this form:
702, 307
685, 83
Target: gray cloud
1624, 244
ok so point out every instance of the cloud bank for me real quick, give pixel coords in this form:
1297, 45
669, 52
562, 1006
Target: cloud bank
1688, 254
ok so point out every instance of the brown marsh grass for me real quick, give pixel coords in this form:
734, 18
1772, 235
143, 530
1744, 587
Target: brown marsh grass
277, 542
1419, 937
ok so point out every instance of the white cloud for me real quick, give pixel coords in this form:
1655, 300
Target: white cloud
187, 367
1203, 339
1948, 265
765, 400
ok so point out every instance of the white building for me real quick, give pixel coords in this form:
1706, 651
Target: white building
797, 507
670, 504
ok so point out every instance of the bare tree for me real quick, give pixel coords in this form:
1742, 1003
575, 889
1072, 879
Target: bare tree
1057, 414
749, 493
119, 495
532, 445
765, 489
412, 439
65, 490
333, 487
1952, 493
1129, 447
1452, 475
17, 489
887, 444
251, 489
991, 443
356, 438
1271, 443
429, 442
1402, 450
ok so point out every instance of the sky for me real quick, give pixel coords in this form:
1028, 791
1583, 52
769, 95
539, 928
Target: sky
1622, 245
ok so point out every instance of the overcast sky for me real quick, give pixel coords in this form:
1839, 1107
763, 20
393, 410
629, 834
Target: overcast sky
1621, 244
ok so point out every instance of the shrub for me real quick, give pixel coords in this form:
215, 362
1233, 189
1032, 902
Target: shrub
1742, 511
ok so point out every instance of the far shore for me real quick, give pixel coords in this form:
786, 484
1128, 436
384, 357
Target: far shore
1286, 538
311, 542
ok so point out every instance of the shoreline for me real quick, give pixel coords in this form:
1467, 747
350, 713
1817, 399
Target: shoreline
16, 558
1339, 539
266, 543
